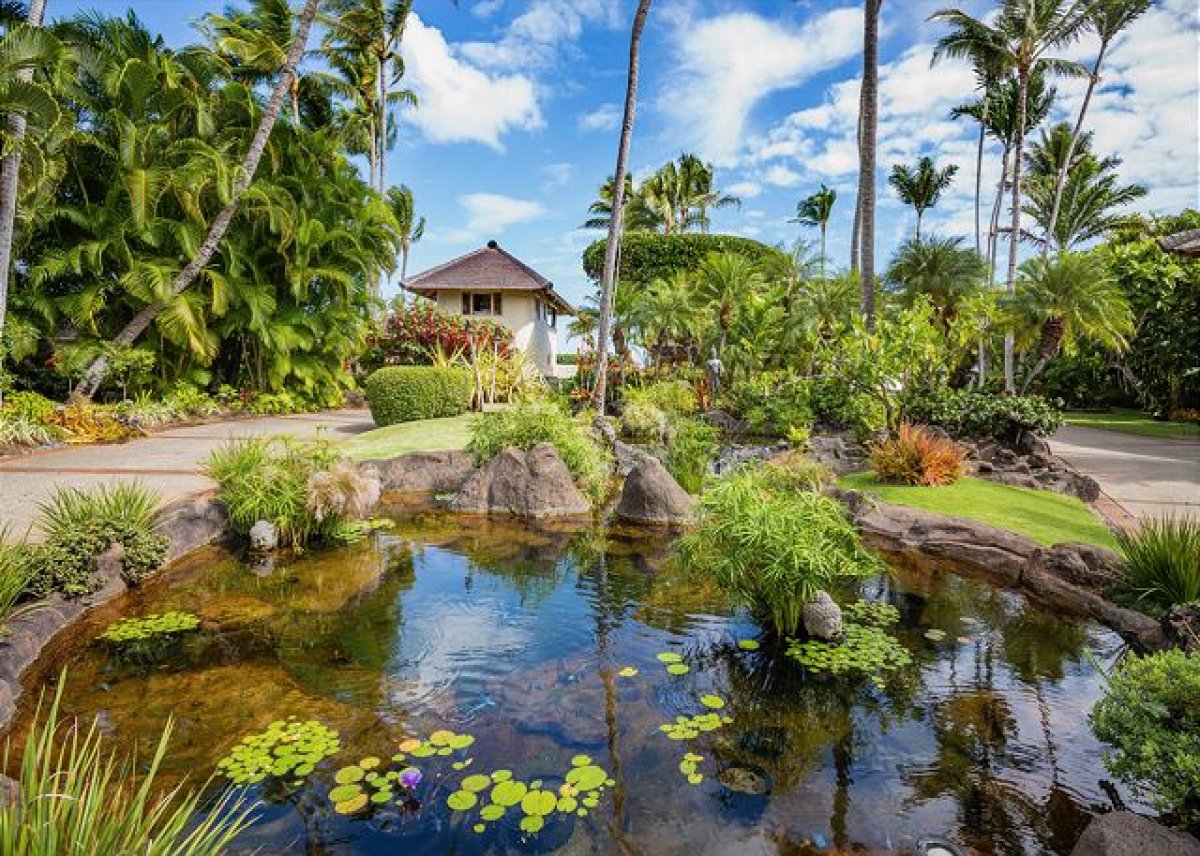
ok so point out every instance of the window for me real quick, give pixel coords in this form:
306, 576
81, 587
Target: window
481, 303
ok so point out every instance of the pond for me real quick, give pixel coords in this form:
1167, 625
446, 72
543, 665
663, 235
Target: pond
483, 651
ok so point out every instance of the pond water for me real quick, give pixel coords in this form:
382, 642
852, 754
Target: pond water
527, 639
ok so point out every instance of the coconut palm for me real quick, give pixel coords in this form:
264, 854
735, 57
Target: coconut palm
700, 194
96, 372
941, 270
668, 316
1068, 299
612, 246
816, 211
1019, 41
1087, 203
1108, 18
410, 227
722, 281
921, 186
868, 123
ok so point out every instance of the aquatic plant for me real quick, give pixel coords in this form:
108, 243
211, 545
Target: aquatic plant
71, 795
1150, 716
864, 650
1162, 561
773, 548
873, 613
288, 750
674, 663
692, 444
149, 627
691, 727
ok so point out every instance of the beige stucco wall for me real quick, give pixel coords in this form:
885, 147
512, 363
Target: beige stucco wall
531, 334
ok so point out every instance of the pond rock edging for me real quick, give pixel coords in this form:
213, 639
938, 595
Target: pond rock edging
1068, 576
189, 524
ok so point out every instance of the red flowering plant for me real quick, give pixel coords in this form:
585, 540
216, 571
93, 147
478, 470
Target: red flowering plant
413, 333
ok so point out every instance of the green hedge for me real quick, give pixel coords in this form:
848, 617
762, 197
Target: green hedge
408, 393
965, 413
646, 256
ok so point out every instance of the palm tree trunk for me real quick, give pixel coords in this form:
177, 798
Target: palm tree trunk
1051, 340
10, 175
96, 372
1014, 238
383, 126
824, 226
994, 225
979, 190
870, 122
609, 275
919, 215
1060, 180
856, 228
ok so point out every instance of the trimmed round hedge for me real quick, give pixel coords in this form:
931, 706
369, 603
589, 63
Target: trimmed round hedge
646, 256
408, 393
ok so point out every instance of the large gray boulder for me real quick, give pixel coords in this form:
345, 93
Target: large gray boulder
424, 472
651, 495
1123, 833
527, 484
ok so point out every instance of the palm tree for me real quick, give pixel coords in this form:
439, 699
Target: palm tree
21, 98
1067, 299
922, 186
637, 217
1108, 18
868, 125
1025, 31
722, 281
940, 269
1086, 202
216, 231
699, 194
254, 42
410, 227
609, 275
816, 211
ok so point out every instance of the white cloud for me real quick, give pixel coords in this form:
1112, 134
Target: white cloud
459, 102
781, 176
556, 175
745, 189
729, 63
537, 35
489, 214
606, 117
486, 8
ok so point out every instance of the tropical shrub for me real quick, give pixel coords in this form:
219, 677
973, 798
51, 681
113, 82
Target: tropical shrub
771, 548
771, 403
187, 401
32, 406
916, 456
303, 489
673, 397
1150, 716
835, 403
966, 413
92, 423
1162, 561
78, 525
526, 425
414, 333
692, 445
71, 795
642, 422
408, 393
17, 429
647, 256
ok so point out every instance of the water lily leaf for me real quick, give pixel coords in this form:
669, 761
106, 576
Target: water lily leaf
749, 644
462, 800
476, 783
461, 741
508, 793
669, 657
538, 803
586, 778
342, 793
712, 701
581, 760
424, 750
695, 779
492, 812
369, 763
351, 806
628, 672
532, 823
441, 737
678, 669
479, 828
933, 634
567, 804
501, 775
409, 744
348, 775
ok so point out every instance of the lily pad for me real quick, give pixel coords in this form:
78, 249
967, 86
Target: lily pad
587, 778
501, 775
581, 760
678, 669
476, 783
351, 806
712, 701
628, 672
749, 644
669, 657
933, 634
532, 823
508, 793
343, 793
462, 800
349, 775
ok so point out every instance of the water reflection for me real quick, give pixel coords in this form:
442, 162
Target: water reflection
519, 636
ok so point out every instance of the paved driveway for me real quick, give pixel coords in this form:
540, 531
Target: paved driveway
167, 461
1148, 476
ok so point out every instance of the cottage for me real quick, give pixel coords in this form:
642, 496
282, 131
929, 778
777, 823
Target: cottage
493, 284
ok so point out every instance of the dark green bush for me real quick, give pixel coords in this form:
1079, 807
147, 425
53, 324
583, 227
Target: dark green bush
691, 446
1150, 715
407, 393
29, 405
771, 403
966, 413
647, 256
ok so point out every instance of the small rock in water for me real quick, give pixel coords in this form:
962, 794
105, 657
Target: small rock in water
264, 537
743, 781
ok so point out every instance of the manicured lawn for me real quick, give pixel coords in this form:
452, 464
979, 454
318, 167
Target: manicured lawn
1132, 422
429, 435
1048, 518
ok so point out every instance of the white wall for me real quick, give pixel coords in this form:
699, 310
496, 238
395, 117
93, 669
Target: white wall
530, 333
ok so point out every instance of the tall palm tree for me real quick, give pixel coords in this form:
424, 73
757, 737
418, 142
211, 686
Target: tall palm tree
722, 281
921, 186
1067, 299
98, 369
700, 194
410, 227
22, 98
1087, 203
1024, 33
868, 127
940, 269
816, 211
254, 43
609, 275
1108, 18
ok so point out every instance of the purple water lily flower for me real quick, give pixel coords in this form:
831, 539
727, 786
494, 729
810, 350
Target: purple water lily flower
410, 778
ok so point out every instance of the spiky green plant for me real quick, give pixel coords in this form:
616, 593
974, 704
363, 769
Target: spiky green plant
16, 576
1162, 561
73, 796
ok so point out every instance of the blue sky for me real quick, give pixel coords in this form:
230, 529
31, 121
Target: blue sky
520, 104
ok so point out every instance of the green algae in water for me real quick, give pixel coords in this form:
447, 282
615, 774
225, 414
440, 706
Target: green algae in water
288, 749
864, 651
149, 627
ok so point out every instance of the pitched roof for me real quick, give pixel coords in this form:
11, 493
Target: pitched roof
1184, 243
489, 268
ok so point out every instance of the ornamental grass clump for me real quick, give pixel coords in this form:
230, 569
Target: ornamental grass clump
1162, 562
72, 795
916, 456
17, 573
774, 549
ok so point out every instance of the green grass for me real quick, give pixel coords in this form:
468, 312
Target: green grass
1046, 517
1132, 422
427, 435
